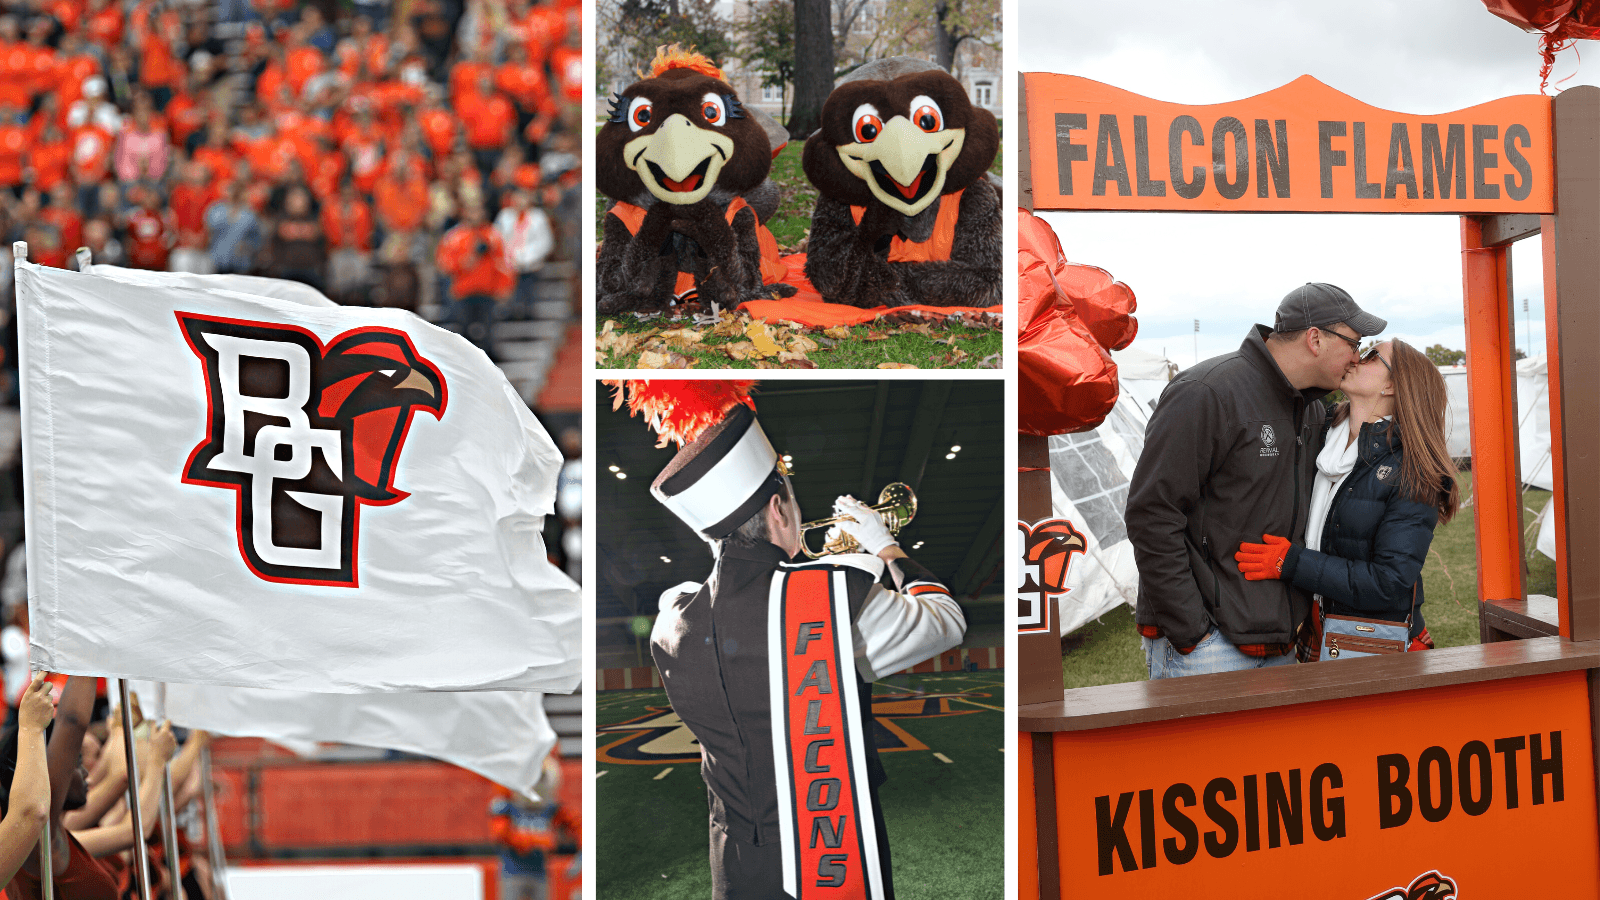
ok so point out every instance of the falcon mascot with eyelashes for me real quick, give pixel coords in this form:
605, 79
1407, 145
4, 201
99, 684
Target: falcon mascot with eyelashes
676, 155
906, 214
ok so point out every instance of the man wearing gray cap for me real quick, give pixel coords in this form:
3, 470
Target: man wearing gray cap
1229, 455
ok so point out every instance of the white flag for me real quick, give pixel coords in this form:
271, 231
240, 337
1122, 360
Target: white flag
293, 291
501, 735
237, 490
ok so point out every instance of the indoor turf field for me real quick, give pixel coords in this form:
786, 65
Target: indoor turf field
939, 736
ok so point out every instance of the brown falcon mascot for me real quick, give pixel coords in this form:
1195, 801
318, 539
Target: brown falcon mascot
676, 156
907, 214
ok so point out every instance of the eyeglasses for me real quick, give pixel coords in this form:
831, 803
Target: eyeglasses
1373, 354
1355, 343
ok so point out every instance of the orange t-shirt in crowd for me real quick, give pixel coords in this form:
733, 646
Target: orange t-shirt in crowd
42, 71
67, 12
189, 203
70, 75
104, 28
15, 65
13, 146
525, 84
464, 80
91, 154
544, 28
488, 120
347, 226
301, 63
270, 83
567, 64
184, 117
438, 130
157, 66
325, 174
470, 272
147, 238
366, 161
68, 222
401, 205
49, 162
220, 160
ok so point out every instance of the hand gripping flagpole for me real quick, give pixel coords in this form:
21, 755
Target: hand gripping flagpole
141, 853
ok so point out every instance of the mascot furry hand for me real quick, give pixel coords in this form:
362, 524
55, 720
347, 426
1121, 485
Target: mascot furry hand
906, 214
676, 154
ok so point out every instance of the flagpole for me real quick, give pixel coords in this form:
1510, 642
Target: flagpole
219, 860
169, 813
141, 853
47, 869
169, 833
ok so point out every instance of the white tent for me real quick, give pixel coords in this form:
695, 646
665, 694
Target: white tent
1089, 475
1533, 418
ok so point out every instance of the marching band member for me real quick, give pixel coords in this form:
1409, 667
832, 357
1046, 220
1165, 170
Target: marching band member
770, 662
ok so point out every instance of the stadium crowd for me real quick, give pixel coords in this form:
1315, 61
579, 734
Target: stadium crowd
422, 154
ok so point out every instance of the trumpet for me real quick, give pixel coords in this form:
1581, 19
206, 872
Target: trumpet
897, 504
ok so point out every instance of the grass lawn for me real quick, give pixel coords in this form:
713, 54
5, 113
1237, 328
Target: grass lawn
946, 817
897, 340
1107, 651
738, 342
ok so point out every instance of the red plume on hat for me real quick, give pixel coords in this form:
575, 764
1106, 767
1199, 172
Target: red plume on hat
680, 409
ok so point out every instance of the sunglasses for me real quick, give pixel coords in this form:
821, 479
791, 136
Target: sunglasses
1355, 343
1373, 354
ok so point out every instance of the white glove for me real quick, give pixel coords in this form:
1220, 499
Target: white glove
868, 528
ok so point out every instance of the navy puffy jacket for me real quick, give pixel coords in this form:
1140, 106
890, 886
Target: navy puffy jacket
1374, 541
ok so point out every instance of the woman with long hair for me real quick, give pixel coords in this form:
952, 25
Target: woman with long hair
1384, 481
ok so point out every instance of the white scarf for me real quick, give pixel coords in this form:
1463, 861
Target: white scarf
1334, 463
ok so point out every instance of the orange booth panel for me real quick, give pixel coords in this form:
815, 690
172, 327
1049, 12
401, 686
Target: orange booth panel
372, 804
1488, 787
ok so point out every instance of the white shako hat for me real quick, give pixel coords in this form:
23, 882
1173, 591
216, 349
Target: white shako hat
723, 477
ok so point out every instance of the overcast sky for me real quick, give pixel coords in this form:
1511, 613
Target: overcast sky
1229, 271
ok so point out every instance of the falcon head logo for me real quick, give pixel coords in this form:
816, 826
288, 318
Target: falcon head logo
1427, 886
306, 434
1049, 545
1047, 550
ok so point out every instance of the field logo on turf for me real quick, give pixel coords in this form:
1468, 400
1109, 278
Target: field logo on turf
658, 737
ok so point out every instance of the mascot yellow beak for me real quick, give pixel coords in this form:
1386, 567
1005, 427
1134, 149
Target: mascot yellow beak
904, 165
679, 162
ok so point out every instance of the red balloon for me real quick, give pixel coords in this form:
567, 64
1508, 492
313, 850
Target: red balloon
1559, 21
1069, 316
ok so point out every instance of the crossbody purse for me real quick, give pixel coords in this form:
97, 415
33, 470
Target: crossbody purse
1349, 637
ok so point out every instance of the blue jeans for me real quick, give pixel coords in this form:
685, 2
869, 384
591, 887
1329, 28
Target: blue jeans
1214, 653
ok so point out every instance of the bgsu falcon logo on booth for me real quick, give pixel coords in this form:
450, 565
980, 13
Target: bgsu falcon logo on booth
1430, 885
1047, 549
306, 435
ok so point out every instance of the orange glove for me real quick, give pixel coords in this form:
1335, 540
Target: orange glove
1259, 562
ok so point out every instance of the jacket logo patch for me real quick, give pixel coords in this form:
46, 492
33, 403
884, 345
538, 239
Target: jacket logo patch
1384, 472
306, 434
1268, 439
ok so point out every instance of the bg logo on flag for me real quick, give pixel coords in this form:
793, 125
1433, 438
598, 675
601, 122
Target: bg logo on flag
305, 434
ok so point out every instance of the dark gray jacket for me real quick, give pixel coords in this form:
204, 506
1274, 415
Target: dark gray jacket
1229, 455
